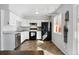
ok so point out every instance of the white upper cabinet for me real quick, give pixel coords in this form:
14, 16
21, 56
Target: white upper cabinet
25, 23
14, 19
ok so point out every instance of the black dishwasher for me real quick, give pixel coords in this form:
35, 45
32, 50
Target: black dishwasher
17, 40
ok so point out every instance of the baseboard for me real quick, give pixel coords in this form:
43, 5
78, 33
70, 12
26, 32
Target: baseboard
58, 48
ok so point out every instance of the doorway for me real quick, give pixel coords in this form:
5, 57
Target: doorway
46, 31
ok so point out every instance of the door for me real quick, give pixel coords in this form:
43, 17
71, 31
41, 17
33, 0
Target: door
50, 32
44, 30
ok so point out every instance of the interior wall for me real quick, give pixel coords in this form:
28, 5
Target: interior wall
75, 33
5, 7
58, 39
6, 18
0, 28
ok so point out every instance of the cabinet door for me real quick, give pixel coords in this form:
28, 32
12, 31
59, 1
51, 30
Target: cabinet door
8, 41
27, 35
38, 34
24, 36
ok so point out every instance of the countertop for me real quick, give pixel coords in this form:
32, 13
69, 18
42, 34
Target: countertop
14, 32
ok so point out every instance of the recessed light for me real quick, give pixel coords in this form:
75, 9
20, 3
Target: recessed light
36, 12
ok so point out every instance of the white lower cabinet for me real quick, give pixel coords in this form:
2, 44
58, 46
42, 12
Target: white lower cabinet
38, 34
24, 35
8, 41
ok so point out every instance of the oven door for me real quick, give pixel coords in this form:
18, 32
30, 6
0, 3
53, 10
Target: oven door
32, 35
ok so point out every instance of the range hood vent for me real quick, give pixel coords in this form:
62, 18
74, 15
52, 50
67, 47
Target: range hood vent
35, 24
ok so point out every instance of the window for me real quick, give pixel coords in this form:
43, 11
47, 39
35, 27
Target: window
57, 23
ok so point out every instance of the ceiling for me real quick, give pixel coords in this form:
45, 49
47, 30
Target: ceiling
25, 10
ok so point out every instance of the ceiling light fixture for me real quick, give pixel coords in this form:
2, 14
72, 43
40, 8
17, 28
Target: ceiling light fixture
36, 12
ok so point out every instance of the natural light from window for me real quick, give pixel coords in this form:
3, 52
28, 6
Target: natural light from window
57, 23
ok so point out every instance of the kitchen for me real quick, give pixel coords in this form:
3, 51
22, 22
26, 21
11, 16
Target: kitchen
15, 30
22, 31
53, 23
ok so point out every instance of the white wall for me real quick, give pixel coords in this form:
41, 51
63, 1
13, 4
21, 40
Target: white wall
6, 15
58, 39
75, 34
76, 26
4, 6
0, 28
3, 16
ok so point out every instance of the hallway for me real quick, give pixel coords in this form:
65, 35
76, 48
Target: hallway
48, 47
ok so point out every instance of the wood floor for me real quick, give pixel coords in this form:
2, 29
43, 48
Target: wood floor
40, 52
48, 47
